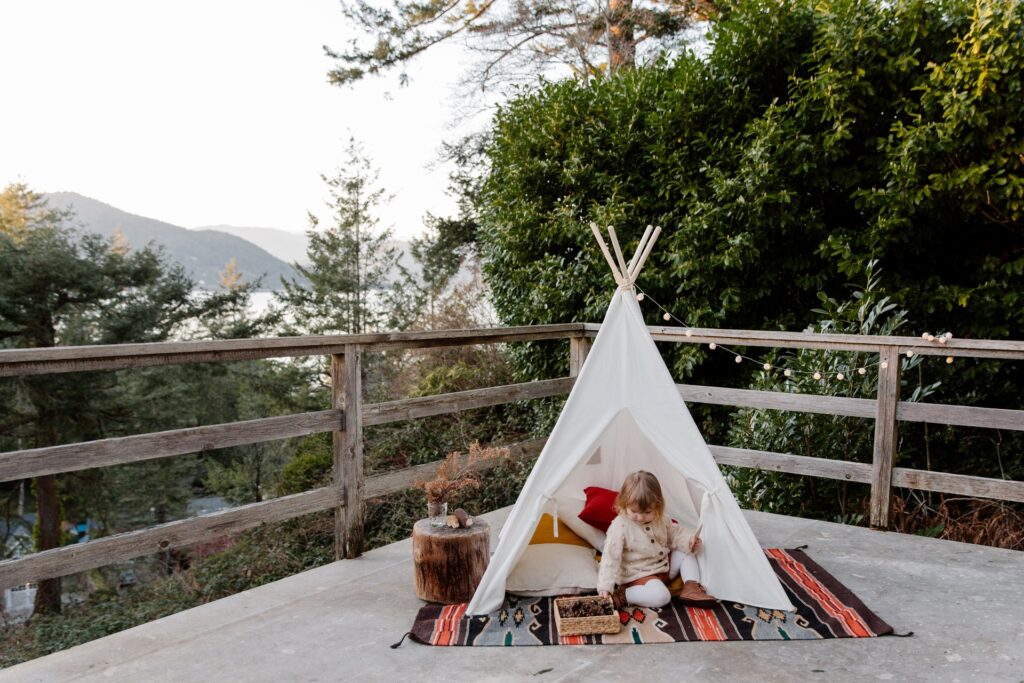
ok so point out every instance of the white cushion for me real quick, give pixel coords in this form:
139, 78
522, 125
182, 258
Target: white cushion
553, 569
569, 510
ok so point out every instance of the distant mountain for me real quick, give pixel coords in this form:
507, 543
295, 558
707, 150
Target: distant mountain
291, 246
203, 253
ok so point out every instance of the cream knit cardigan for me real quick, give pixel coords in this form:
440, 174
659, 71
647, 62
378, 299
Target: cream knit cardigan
632, 551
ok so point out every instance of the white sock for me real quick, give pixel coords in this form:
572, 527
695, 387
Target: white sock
686, 563
652, 594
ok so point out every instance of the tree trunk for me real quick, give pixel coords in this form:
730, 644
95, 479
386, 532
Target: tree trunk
48, 590
449, 563
621, 39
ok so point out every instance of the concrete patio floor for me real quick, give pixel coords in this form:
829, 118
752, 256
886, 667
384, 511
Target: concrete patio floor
964, 603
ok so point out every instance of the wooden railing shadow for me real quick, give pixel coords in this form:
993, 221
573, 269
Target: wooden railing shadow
348, 416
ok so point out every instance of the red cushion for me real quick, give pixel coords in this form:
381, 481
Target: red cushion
600, 508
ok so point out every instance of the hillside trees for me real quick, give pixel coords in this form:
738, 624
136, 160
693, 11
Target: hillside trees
59, 287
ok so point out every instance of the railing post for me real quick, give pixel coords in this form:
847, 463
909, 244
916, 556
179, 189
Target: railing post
884, 454
346, 394
579, 347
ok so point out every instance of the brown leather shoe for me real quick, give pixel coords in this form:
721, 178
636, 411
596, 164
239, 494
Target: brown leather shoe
693, 594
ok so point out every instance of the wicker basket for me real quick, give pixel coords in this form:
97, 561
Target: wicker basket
581, 626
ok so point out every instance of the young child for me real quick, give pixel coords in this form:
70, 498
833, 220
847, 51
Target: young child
644, 550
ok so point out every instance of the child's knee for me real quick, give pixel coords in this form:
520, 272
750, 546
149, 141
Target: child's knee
660, 594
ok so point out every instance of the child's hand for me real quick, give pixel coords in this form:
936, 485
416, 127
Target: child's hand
695, 541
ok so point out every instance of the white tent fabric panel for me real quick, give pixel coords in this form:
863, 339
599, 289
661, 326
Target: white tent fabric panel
626, 407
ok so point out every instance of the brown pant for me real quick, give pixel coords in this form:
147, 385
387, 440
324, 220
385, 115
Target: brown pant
663, 577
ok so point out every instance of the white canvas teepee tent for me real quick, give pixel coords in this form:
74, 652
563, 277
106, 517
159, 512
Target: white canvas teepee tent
626, 414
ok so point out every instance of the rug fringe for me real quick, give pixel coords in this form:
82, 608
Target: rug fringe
407, 634
802, 547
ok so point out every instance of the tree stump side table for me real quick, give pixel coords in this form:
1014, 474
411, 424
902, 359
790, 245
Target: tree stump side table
449, 563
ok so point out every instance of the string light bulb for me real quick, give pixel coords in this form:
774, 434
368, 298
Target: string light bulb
787, 372
862, 371
667, 317
767, 366
949, 359
884, 364
739, 359
712, 346
640, 296
689, 333
840, 376
930, 337
817, 375
924, 335
948, 335
910, 353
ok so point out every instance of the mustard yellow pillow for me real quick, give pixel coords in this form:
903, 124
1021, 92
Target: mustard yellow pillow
545, 533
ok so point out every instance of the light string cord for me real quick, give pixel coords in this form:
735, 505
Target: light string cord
668, 315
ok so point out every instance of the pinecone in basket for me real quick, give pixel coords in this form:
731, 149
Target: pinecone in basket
585, 607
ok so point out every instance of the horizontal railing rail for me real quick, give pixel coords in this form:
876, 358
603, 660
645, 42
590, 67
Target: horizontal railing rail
348, 416
61, 359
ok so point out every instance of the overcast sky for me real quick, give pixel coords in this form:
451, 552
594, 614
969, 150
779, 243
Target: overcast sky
201, 113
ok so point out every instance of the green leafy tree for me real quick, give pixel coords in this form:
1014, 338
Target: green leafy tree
812, 140
822, 436
775, 166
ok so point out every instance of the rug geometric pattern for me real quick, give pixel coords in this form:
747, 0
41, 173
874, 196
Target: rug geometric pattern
825, 609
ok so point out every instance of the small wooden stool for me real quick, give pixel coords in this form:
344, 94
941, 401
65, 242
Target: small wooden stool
449, 563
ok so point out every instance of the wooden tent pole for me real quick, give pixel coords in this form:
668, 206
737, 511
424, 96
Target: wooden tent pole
647, 252
618, 251
607, 254
640, 248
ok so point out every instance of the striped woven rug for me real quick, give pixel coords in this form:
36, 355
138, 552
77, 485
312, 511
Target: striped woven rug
825, 609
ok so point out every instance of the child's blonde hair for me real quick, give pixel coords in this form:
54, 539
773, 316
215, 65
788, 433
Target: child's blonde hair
642, 491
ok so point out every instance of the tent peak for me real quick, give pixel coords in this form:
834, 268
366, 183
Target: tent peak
626, 273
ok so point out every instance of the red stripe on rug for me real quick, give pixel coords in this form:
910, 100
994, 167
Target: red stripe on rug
446, 629
827, 599
705, 623
572, 640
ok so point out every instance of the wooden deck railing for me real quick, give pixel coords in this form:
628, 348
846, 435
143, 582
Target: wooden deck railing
348, 416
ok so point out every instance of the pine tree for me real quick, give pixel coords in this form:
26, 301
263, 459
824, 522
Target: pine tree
352, 264
517, 40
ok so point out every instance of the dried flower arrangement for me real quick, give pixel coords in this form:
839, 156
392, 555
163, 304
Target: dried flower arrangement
457, 473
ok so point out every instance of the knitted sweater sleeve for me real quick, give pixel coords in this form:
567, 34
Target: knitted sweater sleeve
611, 557
678, 537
